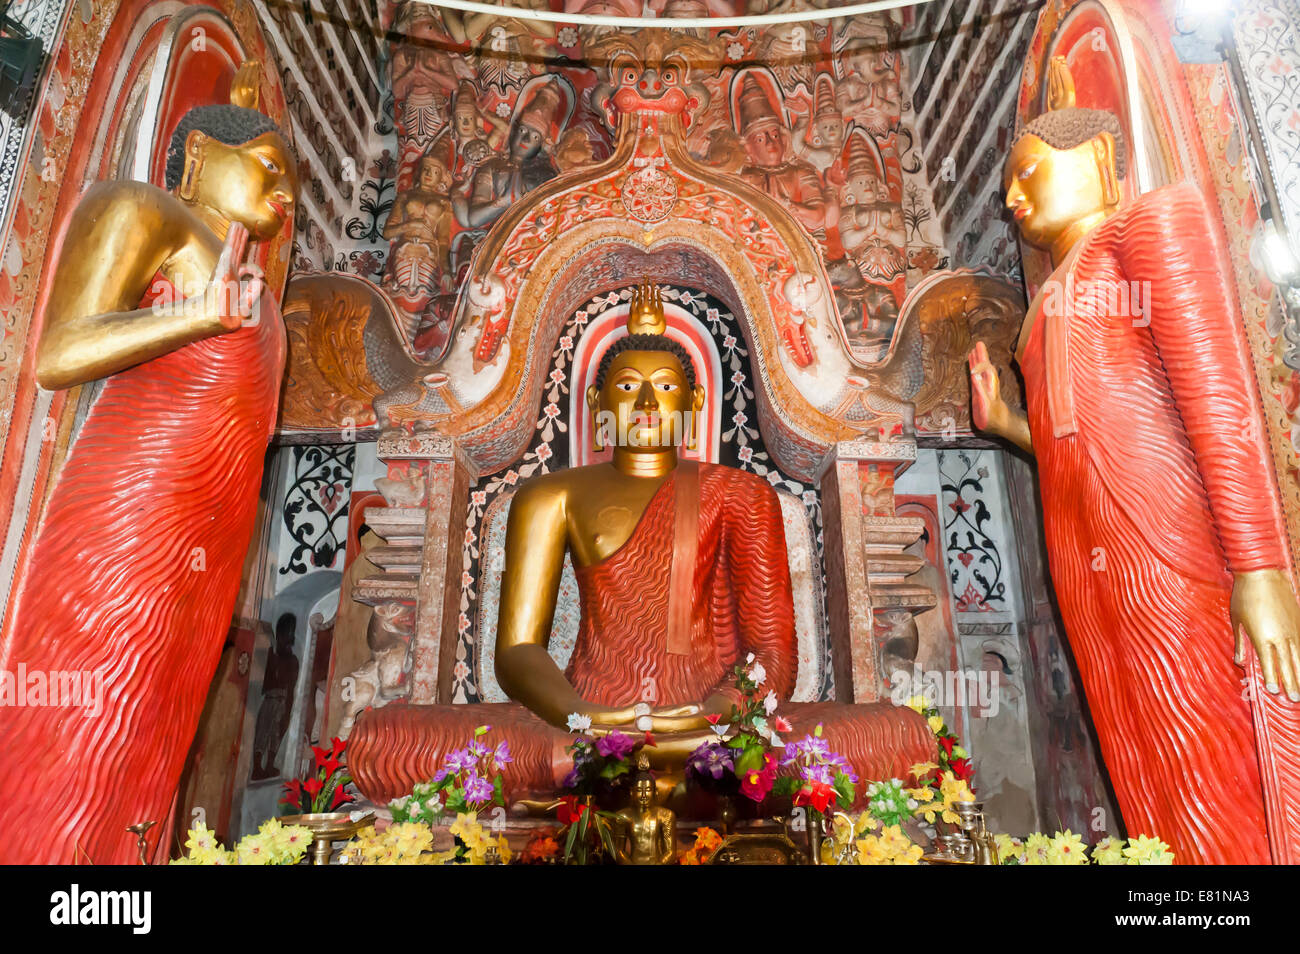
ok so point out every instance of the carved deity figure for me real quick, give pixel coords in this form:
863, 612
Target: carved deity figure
827, 129
772, 166
478, 132
138, 560
682, 573
869, 91
648, 832
872, 229
497, 184
1165, 544
420, 227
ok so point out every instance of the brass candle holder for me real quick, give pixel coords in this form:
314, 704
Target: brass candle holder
327, 828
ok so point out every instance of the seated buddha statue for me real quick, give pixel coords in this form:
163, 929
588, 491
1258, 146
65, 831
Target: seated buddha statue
682, 573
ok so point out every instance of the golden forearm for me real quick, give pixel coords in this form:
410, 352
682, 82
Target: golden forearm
1015, 428
75, 350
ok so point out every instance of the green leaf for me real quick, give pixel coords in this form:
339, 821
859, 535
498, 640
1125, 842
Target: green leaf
751, 760
568, 842
843, 790
785, 785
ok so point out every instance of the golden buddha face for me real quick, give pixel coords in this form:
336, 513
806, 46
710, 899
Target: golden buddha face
254, 184
646, 402
1050, 190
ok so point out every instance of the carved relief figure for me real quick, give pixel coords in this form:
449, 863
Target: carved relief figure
1165, 544
869, 91
420, 228
871, 225
772, 165
827, 131
478, 133
148, 524
494, 186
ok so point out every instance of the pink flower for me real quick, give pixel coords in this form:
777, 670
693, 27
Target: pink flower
755, 785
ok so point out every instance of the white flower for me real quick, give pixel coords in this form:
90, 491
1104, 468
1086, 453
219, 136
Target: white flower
645, 723
776, 741
413, 808
579, 722
721, 730
769, 703
749, 660
758, 673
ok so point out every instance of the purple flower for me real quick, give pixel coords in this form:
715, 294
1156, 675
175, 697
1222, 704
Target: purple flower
615, 745
712, 759
571, 780
817, 774
453, 762
478, 789
439, 775
502, 753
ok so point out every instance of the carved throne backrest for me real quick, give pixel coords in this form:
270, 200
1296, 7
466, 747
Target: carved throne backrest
801, 552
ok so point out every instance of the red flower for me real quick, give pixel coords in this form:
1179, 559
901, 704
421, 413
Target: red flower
292, 793
962, 769
331, 765
341, 797
570, 810
713, 717
312, 786
650, 741
319, 756
755, 785
946, 743
781, 725
337, 746
816, 794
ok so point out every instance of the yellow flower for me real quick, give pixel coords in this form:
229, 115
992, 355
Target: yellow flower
917, 704
1148, 851
890, 847
1066, 848
936, 724
1009, 848
1108, 851
252, 850
1036, 847
410, 839
469, 831
955, 789
201, 839
921, 769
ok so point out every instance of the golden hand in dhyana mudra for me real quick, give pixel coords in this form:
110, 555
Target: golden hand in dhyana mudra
123, 234
648, 403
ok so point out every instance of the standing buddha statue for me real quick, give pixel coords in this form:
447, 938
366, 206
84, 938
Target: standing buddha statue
1164, 541
682, 573
137, 561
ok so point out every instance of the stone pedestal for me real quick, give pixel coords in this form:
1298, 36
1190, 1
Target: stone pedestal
866, 569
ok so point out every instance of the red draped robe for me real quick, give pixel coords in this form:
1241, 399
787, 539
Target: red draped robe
134, 572
742, 604
1156, 488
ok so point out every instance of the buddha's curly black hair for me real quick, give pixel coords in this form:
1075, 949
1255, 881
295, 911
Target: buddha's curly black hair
645, 343
231, 125
1067, 128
